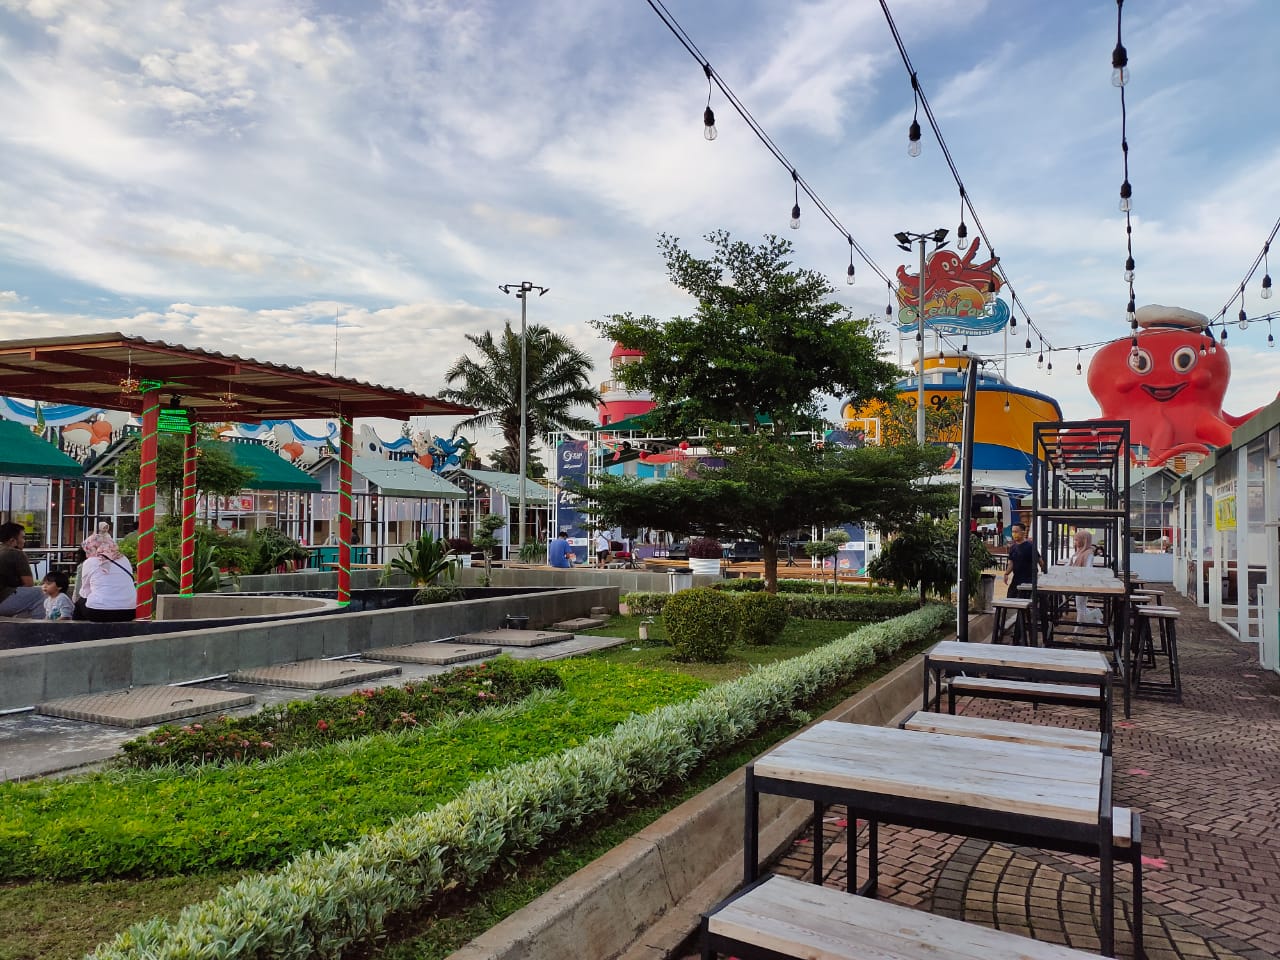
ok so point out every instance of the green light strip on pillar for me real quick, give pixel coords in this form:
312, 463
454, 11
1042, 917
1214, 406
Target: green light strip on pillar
190, 455
344, 507
147, 515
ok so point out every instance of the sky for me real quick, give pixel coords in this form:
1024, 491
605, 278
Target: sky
260, 177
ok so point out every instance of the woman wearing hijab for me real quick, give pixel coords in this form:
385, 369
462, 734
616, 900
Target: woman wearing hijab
1082, 556
107, 591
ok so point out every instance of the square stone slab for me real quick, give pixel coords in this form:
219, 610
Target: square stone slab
579, 623
143, 706
313, 674
431, 651
515, 638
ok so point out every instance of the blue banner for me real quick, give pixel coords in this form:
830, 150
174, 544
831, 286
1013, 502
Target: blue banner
571, 467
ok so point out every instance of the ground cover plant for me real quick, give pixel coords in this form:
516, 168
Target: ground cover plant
64, 920
182, 819
323, 904
278, 729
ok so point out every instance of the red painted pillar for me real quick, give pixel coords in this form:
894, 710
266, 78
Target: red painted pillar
190, 454
147, 507
345, 445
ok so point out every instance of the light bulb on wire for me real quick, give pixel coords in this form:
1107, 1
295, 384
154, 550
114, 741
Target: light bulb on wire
850, 275
1244, 320
708, 115
795, 209
913, 139
1266, 286
1119, 66
1128, 269
1126, 197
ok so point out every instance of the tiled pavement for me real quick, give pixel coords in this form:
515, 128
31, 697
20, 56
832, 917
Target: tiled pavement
1205, 775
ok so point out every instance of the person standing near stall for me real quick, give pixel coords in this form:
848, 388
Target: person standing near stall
1023, 557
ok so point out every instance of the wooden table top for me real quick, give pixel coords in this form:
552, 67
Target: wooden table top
1043, 782
1113, 586
1037, 658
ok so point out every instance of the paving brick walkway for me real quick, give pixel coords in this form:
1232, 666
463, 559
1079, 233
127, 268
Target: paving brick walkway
1206, 776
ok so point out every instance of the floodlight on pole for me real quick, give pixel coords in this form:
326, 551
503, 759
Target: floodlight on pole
522, 291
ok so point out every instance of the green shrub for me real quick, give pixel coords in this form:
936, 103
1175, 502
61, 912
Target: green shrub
322, 904
179, 819
438, 593
761, 618
701, 624
306, 723
844, 607
645, 604
754, 584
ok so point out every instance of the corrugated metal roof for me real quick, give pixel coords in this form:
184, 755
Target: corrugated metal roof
508, 484
405, 478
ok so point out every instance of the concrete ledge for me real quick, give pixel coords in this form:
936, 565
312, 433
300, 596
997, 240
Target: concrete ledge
642, 899
32, 675
210, 606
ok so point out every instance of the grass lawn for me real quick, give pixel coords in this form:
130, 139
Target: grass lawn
799, 637
58, 920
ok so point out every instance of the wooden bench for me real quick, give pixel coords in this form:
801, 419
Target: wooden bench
1033, 692
1126, 824
782, 917
1006, 730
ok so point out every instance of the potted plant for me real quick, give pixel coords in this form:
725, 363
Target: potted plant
705, 555
423, 560
486, 542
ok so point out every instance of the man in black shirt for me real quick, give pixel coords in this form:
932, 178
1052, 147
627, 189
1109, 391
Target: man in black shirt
1023, 557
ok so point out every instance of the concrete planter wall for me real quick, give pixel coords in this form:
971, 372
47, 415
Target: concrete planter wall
33, 675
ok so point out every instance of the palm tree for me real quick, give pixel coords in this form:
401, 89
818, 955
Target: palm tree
559, 379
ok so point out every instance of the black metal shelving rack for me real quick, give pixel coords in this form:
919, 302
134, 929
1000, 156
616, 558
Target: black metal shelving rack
1080, 477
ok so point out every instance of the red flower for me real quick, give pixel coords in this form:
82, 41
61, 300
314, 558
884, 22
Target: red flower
322, 726
359, 713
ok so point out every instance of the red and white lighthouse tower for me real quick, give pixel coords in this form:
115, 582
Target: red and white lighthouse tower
616, 401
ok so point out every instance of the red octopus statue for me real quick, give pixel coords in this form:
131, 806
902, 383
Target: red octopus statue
1170, 387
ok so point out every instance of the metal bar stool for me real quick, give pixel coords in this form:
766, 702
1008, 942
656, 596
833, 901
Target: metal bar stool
1153, 621
1014, 613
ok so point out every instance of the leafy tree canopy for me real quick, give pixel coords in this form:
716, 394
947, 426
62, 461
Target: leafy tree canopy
768, 487
765, 338
217, 473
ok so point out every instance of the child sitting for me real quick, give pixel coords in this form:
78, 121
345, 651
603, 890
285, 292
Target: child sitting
57, 605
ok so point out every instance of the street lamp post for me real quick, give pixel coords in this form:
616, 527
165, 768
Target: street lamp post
522, 291
905, 239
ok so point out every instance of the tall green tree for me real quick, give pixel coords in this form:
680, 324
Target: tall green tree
217, 473
764, 343
769, 486
559, 381
765, 338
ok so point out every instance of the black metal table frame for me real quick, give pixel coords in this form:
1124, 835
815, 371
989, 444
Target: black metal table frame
937, 666
1044, 832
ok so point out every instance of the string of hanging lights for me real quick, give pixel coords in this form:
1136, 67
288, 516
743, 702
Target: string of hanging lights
1120, 79
1261, 260
709, 131
921, 103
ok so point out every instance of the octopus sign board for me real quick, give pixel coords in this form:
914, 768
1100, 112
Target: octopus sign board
955, 295
1170, 385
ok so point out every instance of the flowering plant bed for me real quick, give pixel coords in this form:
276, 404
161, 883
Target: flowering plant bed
308, 723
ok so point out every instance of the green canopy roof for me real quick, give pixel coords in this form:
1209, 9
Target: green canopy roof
271, 471
23, 454
405, 478
508, 484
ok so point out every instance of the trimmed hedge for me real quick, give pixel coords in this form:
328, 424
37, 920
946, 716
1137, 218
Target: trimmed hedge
701, 624
756, 585
864, 606
761, 618
324, 902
